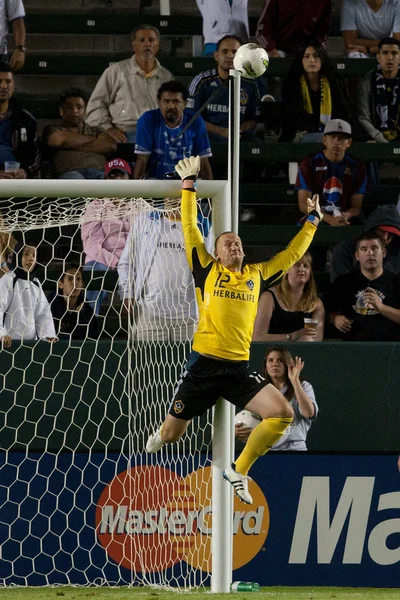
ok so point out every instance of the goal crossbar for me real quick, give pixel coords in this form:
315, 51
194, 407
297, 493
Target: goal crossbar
101, 188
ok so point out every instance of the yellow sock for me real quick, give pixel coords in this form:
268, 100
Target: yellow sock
261, 439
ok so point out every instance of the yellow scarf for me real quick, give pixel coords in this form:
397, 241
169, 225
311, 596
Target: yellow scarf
326, 100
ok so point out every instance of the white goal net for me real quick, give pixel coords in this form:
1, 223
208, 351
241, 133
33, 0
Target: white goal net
96, 314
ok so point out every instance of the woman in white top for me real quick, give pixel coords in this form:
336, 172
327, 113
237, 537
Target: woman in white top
24, 309
283, 371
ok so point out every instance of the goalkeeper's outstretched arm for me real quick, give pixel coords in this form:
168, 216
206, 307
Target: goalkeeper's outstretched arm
273, 269
188, 169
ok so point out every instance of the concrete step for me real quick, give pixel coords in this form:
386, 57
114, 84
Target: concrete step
52, 84
83, 44
127, 6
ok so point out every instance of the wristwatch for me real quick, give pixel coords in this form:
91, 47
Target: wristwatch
22, 48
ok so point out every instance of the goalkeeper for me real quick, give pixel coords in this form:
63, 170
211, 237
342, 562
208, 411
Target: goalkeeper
227, 295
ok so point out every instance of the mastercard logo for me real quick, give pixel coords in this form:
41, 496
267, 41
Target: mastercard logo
149, 518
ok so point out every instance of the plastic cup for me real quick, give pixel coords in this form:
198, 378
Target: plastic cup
361, 306
310, 323
11, 166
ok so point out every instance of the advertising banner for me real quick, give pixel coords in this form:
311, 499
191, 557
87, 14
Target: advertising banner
315, 520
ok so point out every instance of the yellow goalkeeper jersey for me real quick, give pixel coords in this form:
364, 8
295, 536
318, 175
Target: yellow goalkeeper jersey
228, 300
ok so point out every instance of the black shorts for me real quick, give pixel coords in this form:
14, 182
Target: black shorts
207, 379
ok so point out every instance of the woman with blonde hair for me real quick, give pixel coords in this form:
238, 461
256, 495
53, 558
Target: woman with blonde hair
283, 308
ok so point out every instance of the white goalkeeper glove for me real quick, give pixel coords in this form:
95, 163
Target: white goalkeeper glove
188, 168
313, 207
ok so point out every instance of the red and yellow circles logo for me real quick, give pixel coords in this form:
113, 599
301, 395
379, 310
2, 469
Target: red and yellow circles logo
149, 518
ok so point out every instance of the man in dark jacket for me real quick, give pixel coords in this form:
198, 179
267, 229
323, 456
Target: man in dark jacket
385, 222
74, 318
17, 132
378, 95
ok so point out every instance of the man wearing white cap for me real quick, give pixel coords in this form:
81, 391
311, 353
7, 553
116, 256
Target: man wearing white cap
339, 179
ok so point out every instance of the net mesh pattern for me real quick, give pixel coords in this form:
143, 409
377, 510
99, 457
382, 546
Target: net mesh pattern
80, 501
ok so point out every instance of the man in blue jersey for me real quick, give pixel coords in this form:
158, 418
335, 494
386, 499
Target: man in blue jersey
216, 112
339, 179
163, 136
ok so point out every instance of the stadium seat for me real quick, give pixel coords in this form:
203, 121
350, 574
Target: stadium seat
287, 152
77, 64
284, 194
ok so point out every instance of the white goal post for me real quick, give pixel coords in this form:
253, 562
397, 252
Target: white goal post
32, 205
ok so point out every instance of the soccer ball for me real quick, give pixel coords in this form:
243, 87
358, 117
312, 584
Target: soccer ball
247, 418
251, 61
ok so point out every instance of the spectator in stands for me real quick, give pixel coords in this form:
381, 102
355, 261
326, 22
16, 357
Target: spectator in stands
73, 317
384, 221
17, 132
379, 95
7, 245
312, 94
155, 280
339, 179
24, 309
105, 230
365, 22
284, 25
365, 305
283, 308
128, 88
12, 11
214, 83
164, 136
221, 19
283, 372
78, 150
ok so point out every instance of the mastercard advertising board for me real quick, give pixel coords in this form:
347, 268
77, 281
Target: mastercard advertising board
315, 520
170, 518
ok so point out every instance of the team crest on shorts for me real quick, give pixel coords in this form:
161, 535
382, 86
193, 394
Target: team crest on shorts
178, 406
250, 284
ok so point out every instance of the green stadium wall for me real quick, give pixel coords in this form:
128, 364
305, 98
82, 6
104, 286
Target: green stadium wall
56, 397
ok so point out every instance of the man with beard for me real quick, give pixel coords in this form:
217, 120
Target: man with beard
128, 88
165, 136
17, 131
78, 151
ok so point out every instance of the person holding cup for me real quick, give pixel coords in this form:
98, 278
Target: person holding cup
364, 306
284, 309
18, 133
